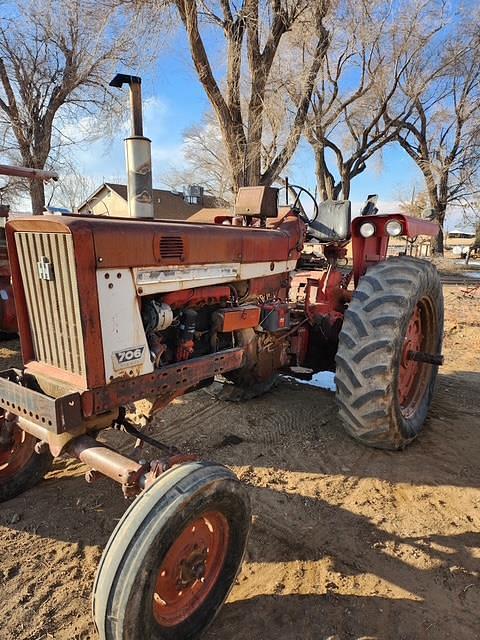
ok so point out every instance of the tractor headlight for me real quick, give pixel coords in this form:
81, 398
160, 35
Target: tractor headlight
394, 228
367, 229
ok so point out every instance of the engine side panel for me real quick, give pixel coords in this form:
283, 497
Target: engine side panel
125, 347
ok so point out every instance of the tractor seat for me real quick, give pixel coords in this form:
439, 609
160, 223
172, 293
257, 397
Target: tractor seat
333, 221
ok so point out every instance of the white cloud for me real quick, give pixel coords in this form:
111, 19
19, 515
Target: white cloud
166, 157
103, 159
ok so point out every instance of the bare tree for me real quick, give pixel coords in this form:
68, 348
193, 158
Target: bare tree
417, 206
254, 30
72, 190
56, 57
442, 131
205, 161
12, 190
372, 46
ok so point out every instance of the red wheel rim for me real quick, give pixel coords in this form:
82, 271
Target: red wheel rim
413, 376
15, 457
190, 569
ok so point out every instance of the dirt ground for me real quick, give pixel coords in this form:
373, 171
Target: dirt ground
346, 543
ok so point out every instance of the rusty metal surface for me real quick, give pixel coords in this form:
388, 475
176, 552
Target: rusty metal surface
55, 415
257, 201
105, 460
85, 267
157, 467
175, 378
429, 358
26, 172
276, 285
133, 243
245, 317
40, 432
197, 297
132, 475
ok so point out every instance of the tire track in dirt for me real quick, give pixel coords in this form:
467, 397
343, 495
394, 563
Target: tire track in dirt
188, 420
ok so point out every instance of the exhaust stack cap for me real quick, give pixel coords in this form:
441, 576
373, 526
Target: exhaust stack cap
138, 152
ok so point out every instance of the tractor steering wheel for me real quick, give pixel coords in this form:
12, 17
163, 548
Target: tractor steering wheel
298, 190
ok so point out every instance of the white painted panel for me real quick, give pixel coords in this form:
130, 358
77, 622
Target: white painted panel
173, 278
125, 347
260, 269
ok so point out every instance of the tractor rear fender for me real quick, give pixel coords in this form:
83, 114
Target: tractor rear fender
368, 251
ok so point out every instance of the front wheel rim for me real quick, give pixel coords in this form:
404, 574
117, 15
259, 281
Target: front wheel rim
15, 457
190, 569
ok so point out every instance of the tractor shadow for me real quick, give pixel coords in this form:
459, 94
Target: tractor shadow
336, 617
315, 570
356, 572
312, 569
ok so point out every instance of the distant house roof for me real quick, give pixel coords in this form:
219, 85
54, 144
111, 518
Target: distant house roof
208, 214
166, 204
460, 233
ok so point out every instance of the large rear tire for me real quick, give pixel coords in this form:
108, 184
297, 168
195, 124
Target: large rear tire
173, 557
383, 395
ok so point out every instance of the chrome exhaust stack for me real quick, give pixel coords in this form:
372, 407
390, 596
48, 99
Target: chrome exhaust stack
138, 153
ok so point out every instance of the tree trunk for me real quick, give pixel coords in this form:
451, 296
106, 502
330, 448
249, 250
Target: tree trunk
37, 196
325, 182
255, 130
437, 242
346, 181
321, 182
439, 208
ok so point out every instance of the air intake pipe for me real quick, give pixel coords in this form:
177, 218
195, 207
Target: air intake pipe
138, 153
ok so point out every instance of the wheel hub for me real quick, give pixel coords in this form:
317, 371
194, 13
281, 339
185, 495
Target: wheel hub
190, 569
193, 568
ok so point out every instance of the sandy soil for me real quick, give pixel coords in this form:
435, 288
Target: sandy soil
347, 542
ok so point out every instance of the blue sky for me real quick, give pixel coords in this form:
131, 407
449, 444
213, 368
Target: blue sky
174, 100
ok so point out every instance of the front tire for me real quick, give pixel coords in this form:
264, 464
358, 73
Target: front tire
173, 557
20, 467
383, 396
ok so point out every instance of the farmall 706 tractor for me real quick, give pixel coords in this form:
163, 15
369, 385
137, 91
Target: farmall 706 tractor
119, 316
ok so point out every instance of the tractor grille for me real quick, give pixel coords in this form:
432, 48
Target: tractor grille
49, 277
171, 247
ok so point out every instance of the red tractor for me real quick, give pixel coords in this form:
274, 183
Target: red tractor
8, 319
119, 316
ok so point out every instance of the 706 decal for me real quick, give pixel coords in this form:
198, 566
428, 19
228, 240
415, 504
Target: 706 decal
128, 357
